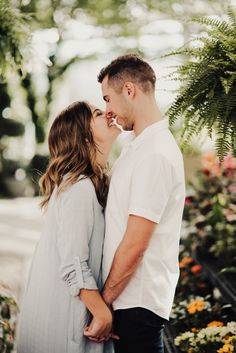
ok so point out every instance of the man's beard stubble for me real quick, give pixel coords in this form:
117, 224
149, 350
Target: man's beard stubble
127, 125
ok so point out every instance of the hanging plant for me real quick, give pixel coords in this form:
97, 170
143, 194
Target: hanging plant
14, 37
207, 95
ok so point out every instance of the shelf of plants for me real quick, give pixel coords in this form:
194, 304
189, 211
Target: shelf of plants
8, 316
224, 281
169, 340
203, 314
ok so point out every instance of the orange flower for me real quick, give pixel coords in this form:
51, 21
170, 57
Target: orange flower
196, 269
209, 157
196, 305
194, 329
215, 323
185, 261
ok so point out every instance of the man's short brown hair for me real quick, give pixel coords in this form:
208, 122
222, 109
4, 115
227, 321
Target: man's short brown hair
132, 68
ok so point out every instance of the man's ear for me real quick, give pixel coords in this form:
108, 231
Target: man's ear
129, 89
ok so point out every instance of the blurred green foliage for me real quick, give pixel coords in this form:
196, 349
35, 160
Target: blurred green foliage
14, 35
207, 96
19, 19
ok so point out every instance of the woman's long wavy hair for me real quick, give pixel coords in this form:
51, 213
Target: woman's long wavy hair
72, 153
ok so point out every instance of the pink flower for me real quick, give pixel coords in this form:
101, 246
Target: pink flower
229, 162
187, 201
232, 188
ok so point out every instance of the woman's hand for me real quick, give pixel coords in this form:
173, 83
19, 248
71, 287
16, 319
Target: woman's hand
100, 327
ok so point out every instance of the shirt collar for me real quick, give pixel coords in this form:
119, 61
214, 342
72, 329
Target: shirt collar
148, 132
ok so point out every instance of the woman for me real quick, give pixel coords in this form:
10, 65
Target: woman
62, 294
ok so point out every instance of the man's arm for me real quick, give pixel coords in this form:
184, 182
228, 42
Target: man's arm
128, 256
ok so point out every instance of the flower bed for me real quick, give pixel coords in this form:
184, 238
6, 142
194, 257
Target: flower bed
224, 281
193, 315
8, 315
214, 338
202, 319
210, 212
197, 312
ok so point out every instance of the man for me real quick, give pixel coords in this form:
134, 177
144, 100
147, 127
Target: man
144, 210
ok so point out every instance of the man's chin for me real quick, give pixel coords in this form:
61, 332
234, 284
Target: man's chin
122, 122
127, 127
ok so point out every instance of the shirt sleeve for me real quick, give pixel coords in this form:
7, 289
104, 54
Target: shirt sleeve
76, 218
151, 186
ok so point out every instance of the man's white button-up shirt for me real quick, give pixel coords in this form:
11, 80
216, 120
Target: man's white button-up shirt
148, 181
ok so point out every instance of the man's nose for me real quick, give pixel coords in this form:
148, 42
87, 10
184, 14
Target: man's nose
108, 109
109, 114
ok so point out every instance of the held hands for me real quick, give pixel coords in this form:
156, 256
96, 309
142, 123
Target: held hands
99, 329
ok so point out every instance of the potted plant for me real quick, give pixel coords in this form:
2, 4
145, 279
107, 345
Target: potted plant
197, 312
8, 316
192, 279
210, 211
207, 95
14, 36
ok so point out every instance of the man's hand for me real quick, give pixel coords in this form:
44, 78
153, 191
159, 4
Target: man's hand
99, 330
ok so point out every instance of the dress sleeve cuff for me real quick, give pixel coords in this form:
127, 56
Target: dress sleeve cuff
78, 276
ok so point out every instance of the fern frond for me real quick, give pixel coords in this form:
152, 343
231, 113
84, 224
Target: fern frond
232, 16
206, 98
220, 25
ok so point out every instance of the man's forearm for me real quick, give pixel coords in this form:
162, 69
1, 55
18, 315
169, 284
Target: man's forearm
125, 263
128, 256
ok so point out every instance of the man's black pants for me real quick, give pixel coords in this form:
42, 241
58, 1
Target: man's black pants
140, 331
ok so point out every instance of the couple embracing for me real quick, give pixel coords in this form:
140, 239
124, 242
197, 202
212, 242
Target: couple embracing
104, 272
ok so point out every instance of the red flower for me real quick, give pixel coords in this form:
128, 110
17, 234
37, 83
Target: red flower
187, 201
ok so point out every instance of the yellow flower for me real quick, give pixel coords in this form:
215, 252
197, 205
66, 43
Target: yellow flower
215, 323
227, 348
230, 339
200, 305
196, 305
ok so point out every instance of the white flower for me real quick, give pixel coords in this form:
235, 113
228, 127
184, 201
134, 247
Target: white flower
208, 334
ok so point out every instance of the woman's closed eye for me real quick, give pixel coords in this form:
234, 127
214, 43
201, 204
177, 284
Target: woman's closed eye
98, 113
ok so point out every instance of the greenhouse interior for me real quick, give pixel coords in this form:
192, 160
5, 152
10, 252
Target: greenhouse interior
51, 53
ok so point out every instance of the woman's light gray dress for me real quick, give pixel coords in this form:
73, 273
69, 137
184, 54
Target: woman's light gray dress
67, 258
